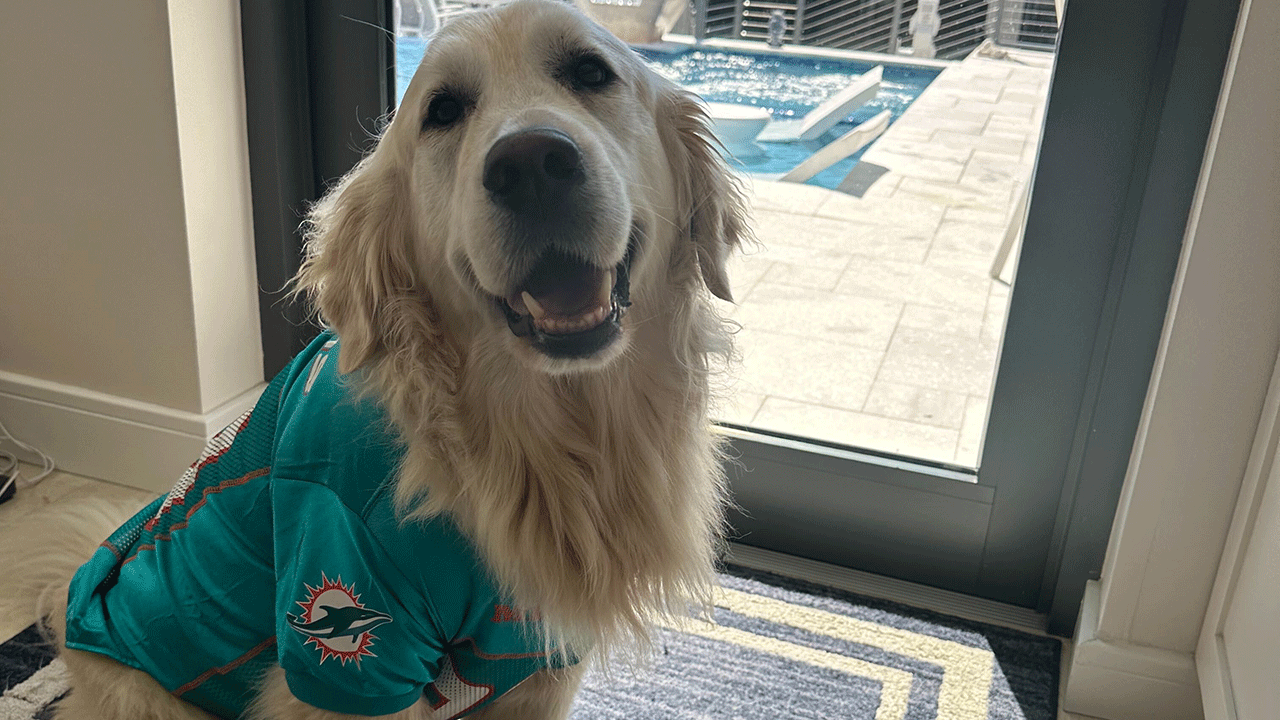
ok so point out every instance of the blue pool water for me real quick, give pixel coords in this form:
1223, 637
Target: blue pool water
409, 52
786, 86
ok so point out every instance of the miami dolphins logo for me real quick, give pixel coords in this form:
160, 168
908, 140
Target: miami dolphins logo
335, 621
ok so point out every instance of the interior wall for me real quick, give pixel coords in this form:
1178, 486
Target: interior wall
129, 327
209, 83
95, 286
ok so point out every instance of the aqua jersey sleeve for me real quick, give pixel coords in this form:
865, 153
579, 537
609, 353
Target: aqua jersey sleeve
350, 639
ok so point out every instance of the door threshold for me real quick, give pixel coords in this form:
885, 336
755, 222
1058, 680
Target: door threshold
891, 589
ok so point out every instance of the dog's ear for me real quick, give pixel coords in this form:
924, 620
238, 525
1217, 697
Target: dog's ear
358, 256
709, 197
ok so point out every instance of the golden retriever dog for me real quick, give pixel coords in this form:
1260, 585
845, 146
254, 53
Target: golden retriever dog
520, 276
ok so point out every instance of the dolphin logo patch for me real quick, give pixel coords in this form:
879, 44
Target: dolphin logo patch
335, 621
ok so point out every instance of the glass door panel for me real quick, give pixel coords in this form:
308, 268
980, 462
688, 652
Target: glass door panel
872, 312
900, 407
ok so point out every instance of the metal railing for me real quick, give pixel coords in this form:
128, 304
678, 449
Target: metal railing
883, 25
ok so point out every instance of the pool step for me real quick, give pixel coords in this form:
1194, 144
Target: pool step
840, 148
830, 113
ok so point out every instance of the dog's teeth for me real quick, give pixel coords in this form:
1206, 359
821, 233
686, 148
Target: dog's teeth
606, 289
535, 309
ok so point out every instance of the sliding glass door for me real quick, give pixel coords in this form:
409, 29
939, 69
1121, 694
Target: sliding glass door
1043, 400
949, 331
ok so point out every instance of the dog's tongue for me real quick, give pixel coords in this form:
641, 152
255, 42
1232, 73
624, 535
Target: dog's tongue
571, 291
565, 295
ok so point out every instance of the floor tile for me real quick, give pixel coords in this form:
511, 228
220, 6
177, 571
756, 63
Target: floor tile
817, 268
941, 362
911, 133
878, 278
804, 369
1007, 163
994, 185
745, 270
968, 237
945, 195
850, 237
927, 149
920, 118
1015, 95
816, 278
859, 321
1009, 124
959, 289
981, 215
916, 404
910, 164
976, 102
956, 141
885, 187
911, 214
794, 198
1010, 108
1009, 145
974, 263
956, 125
950, 321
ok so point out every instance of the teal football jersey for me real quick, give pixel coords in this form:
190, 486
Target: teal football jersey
280, 545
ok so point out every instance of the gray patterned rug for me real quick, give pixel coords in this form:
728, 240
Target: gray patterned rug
779, 650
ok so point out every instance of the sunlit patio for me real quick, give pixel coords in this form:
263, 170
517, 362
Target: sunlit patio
875, 321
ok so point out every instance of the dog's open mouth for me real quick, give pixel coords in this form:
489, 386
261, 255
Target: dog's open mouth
569, 308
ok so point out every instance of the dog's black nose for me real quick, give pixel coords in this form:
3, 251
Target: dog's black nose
533, 172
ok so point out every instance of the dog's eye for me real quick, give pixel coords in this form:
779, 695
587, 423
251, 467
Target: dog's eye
443, 111
591, 72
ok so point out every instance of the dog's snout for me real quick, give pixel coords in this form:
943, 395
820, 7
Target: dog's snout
533, 171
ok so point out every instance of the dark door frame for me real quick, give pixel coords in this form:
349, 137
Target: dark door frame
319, 81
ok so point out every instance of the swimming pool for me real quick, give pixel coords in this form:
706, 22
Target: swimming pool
789, 87
786, 86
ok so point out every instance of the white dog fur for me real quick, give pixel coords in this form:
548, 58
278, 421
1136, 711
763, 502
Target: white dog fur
592, 487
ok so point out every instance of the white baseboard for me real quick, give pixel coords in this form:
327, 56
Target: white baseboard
109, 437
1121, 681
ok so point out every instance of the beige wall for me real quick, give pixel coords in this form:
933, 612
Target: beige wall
215, 176
95, 286
128, 290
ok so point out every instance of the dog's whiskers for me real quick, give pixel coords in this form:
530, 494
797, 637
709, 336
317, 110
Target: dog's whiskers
375, 26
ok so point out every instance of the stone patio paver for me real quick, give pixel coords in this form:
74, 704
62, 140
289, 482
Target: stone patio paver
874, 321
939, 408
860, 321
967, 324
807, 370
